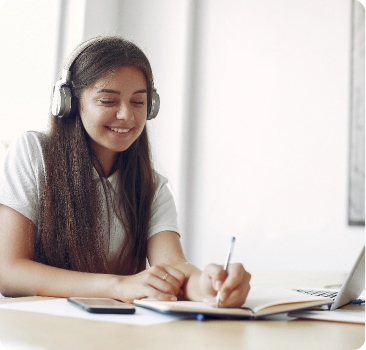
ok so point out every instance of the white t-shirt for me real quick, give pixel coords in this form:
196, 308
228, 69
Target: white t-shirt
23, 178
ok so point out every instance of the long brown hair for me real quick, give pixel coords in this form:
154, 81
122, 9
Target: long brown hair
70, 232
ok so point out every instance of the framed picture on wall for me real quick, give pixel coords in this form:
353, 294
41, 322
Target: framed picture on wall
356, 200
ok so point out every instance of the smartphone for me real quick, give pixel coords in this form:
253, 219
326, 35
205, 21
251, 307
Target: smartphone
102, 305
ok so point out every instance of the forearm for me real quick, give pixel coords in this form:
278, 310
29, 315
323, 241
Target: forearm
25, 277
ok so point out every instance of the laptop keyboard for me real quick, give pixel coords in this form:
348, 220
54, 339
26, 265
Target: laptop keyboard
322, 293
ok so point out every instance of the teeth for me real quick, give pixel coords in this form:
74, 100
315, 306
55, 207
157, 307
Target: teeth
121, 131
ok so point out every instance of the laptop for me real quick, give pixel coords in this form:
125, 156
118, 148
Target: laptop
351, 288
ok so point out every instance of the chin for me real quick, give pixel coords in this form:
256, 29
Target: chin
121, 149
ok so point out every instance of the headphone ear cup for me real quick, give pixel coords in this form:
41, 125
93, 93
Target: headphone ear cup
66, 98
155, 105
61, 101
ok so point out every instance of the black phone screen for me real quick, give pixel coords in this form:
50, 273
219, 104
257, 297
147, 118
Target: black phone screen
102, 305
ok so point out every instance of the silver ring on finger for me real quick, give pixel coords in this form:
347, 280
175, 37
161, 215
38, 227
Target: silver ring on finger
166, 276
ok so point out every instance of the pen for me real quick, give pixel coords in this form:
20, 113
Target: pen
226, 266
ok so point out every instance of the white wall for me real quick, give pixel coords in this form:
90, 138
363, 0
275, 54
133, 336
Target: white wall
28, 32
271, 116
273, 150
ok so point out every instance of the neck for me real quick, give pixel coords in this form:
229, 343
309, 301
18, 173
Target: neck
104, 165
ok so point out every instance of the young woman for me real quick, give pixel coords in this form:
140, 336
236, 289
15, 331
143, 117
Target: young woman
82, 211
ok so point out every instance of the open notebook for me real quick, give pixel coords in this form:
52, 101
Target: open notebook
261, 301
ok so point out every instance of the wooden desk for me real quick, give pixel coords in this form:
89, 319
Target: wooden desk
27, 330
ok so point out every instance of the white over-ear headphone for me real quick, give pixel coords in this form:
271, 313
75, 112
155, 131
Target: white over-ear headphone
62, 95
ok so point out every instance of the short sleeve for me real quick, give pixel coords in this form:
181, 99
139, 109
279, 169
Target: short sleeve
164, 214
23, 175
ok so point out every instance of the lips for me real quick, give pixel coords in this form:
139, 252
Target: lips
119, 130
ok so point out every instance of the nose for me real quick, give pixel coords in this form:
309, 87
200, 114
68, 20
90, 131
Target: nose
125, 112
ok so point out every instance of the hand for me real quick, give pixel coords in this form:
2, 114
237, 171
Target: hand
233, 286
162, 282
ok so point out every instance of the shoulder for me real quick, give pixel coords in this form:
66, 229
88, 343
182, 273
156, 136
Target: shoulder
159, 180
30, 139
26, 154
28, 144
23, 174
162, 185
163, 190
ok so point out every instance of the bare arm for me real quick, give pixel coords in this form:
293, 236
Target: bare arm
20, 276
165, 248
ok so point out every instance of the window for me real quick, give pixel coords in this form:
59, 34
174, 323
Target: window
28, 32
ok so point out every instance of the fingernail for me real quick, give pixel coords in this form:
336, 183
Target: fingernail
218, 285
173, 299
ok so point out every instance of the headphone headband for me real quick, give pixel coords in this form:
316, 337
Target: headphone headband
62, 95
65, 75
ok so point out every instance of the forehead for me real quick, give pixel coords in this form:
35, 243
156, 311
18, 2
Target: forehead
125, 76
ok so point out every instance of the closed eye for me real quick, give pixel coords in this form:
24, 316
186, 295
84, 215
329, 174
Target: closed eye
106, 102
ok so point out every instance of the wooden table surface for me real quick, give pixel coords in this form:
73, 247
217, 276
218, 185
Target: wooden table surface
34, 331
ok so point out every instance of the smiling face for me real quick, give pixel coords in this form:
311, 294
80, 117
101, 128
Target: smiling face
113, 111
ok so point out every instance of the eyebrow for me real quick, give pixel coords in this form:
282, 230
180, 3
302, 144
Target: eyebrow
142, 91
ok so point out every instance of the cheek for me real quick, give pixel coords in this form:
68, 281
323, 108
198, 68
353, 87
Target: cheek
141, 116
92, 117
90, 123
84, 119
141, 122
83, 112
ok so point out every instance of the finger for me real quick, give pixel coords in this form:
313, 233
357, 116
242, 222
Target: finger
164, 271
217, 275
235, 286
152, 292
154, 284
166, 279
175, 278
211, 280
236, 299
